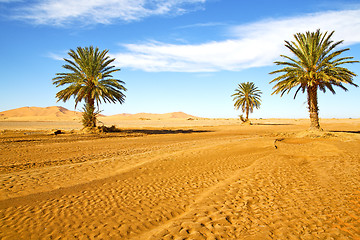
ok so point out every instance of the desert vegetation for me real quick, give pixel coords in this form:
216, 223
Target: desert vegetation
90, 80
247, 97
316, 65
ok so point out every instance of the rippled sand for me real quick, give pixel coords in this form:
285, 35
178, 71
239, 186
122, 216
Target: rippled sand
272, 180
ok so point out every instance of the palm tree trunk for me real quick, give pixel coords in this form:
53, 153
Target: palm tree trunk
89, 115
247, 113
91, 103
313, 108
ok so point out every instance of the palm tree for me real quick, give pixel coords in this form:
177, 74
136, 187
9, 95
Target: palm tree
315, 66
247, 96
90, 79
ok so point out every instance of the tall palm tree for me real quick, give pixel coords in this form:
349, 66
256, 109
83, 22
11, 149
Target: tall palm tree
90, 79
316, 65
247, 96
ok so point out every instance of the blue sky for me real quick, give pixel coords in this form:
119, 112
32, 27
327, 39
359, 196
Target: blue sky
175, 55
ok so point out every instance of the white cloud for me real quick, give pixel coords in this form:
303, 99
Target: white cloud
253, 45
54, 56
62, 12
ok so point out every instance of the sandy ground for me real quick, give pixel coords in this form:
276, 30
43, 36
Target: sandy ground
208, 179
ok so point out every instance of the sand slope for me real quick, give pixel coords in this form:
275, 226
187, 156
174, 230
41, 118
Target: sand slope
220, 182
39, 114
149, 116
57, 113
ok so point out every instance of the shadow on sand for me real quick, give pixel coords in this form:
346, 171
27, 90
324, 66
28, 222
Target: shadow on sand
357, 132
161, 131
272, 124
114, 129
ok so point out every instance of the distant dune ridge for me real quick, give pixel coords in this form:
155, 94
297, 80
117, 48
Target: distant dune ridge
39, 113
153, 116
60, 113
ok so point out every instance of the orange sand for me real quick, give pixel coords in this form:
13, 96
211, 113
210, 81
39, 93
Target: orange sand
200, 179
57, 113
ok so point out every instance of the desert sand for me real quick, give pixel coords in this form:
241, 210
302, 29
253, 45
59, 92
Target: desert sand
181, 179
61, 114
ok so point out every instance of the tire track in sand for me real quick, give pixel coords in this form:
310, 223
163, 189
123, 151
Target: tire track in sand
128, 204
280, 196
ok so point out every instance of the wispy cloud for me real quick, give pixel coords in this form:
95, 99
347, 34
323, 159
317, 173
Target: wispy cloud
55, 56
62, 12
253, 45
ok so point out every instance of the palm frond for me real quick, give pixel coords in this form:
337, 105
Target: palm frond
89, 78
247, 96
315, 63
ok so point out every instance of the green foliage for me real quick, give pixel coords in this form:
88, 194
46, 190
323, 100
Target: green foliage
315, 65
89, 79
247, 96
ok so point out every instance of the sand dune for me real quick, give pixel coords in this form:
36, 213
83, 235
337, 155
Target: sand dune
39, 113
57, 113
150, 116
208, 182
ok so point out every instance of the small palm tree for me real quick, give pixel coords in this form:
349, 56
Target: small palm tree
315, 66
90, 79
247, 96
